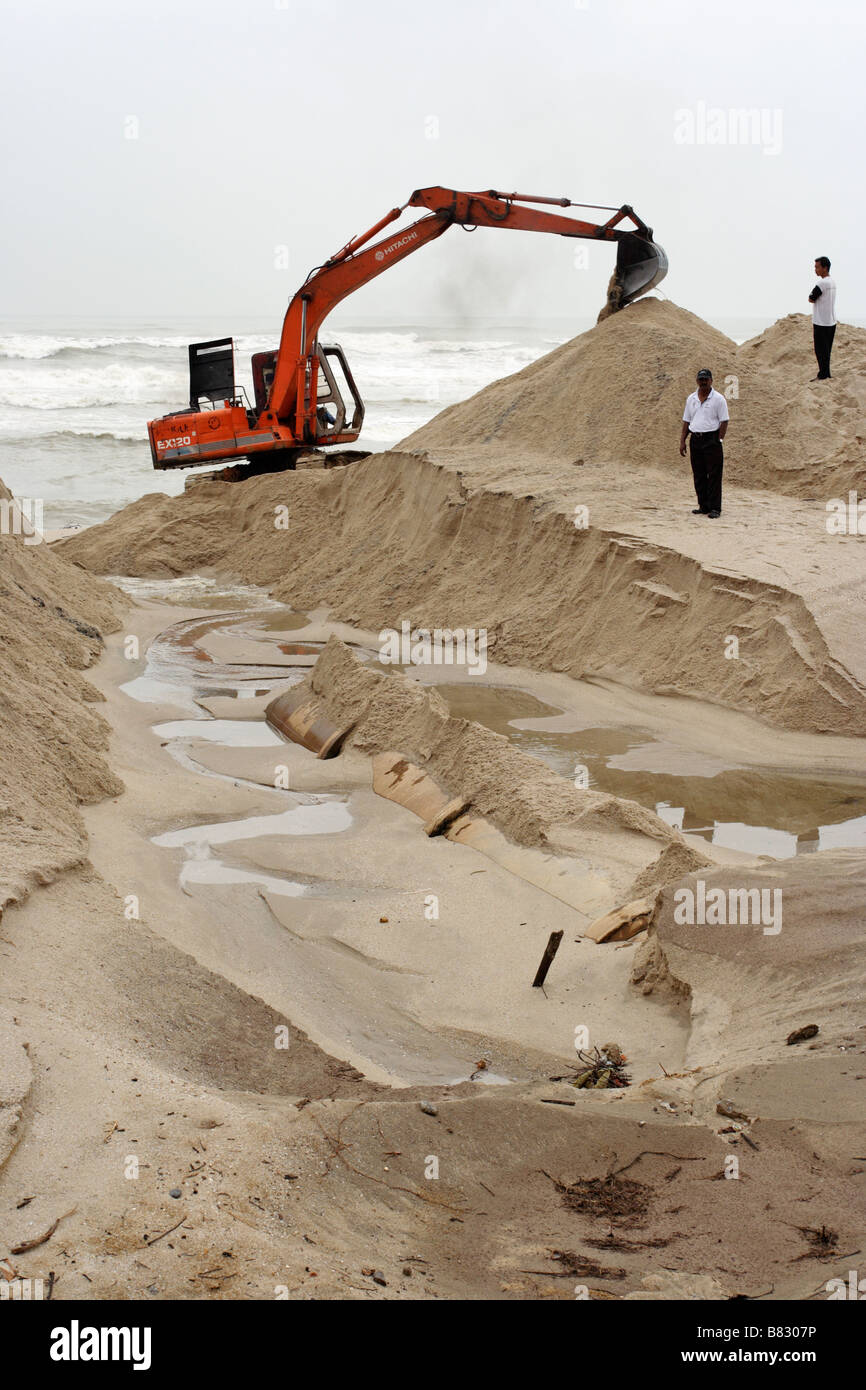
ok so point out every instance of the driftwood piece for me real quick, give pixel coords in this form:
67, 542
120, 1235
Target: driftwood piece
550, 951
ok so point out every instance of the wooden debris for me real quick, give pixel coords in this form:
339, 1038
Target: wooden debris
601, 1070
730, 1111
622, 923
25, 1245
801, 1034
154, 1239
550, 951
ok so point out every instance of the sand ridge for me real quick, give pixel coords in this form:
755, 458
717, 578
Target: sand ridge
52, 615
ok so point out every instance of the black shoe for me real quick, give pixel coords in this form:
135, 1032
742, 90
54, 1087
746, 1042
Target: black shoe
713, 514
698, 511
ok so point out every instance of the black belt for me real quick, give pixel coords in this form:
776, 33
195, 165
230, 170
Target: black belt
704, 434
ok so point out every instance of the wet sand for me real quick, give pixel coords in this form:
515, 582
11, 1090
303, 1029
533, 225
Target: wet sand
410, 1002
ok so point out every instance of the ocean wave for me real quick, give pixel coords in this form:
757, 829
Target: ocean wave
357, 340
48, 437
116, 383
34, 347
475, 347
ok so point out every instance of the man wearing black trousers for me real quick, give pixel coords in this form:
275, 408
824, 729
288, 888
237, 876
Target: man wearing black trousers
823, 301
705, 424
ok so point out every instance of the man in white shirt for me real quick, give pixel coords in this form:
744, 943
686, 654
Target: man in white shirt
705, 424
823, 301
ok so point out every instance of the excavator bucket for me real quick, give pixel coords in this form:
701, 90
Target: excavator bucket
640, 264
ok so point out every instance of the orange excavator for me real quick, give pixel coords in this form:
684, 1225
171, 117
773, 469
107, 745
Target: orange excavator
305, 394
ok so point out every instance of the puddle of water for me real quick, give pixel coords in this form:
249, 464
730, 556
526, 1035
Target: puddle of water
177, 650
233, 733
319, 818
850, 835
179, 672
755, 839
214, 873
175, 671
667, 759
177, 749
197, 592
280, 619
148, 690
755, 810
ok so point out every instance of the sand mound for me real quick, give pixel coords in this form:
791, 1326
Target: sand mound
525, 798
749, 990
615, 395
51, 613
787, 344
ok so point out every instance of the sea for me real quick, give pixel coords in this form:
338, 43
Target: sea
75, 397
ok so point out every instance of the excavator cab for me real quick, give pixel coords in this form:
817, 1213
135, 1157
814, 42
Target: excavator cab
264, 365
335, 385
336, 391
221, 424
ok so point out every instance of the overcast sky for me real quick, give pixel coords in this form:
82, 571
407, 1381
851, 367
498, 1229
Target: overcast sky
261, 124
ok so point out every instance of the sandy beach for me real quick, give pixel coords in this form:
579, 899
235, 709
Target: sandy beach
259, 1031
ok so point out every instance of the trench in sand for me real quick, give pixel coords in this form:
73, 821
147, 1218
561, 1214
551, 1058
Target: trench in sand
342, 1002
357, 999
756, 811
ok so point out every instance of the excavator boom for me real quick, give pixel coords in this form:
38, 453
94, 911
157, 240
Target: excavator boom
301, 389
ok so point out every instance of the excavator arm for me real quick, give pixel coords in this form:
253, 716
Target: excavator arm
298, 398
640, 265
294, 389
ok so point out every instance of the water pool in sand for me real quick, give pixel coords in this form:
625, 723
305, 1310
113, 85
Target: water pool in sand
326, 816
180, 672
234, 733
755, 810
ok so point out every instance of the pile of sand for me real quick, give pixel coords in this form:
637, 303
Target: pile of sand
51, 613
615, 395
